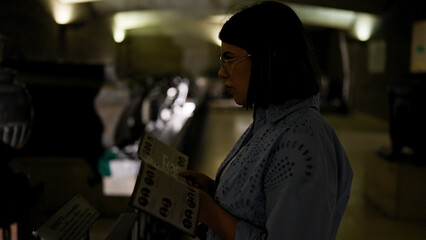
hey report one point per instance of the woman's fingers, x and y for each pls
(196, 179)
(190, 178)
(188, 173)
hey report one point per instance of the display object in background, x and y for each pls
(16, 113)
(159, 191)
(130, 126)
(62, 98)
(16, 118)
(407, 128)
(165, 108)
(406, 106)
(418, 48)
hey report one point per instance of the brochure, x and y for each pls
(70, 222)
(159, 191)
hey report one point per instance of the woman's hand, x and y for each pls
(206, 205)
(217, 218)
(199, 180)
(211, 214)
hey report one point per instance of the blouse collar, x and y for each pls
(272, 113)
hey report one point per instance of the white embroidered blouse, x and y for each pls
(292, 179)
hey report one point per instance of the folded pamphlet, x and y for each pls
(160, 191)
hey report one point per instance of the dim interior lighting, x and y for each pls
(62, 13)
(213, 33)
(77, 1)
(215, 23)
(219, 18)
(364, 26)
(171, 22)
(175, 22)
(67, 11)
(360, 25)
(144, 18)
(323, 16)
(119, 35)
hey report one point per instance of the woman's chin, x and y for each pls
(239, 101)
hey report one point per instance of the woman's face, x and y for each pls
(235, 70)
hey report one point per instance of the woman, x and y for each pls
(287, 177)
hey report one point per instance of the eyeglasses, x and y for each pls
(227, 64)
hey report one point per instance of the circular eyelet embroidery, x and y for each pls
(291, 158)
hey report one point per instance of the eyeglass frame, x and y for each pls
(222, 62)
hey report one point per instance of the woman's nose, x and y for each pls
(222, 73)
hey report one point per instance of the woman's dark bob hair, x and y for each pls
(283, 65)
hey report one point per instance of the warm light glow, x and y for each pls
(139, 19)
(77, 1)
(214, 24)
(62, 13)
(211, 33)
(360, 25)
(219, 18)
(172, 23)
(364, 26)
(324, 17)
(119, 35)
(175, 22)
